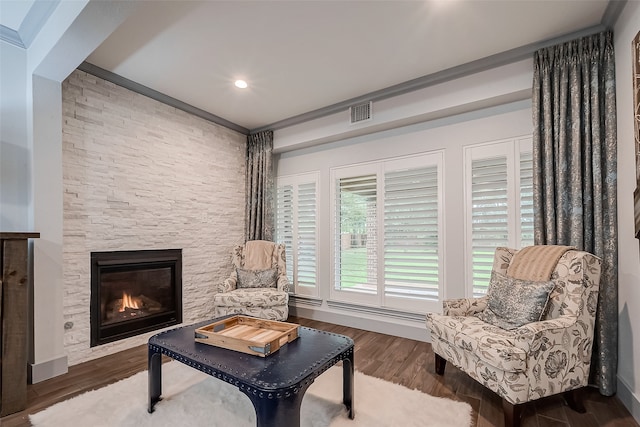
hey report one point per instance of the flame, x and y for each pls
(129, 302)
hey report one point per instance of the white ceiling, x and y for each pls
(299, 56)
(13, 12)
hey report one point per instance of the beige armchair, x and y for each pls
(258, 285)
(529, 361)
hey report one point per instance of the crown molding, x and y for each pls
(609, 18)
(158, 96)
(33, 22)
(38, 15)
(612, 13)
(11, 36)
(473, 67)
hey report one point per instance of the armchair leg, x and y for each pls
(512, 414)
(441, 362)
(574, 400)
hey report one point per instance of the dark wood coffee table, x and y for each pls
(275, 384)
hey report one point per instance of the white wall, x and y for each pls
(625, 30)
(449, 133)
(497, 86)
(15, 150)
(296, 157)
(31, 188)
(30, 170)
(54, 57)
(46, 212)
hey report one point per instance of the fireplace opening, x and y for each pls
(133, 292)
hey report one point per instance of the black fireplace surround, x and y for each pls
(133, 292)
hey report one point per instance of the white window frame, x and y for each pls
(337, 174)
(378, 168)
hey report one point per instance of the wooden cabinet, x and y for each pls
(14, 310)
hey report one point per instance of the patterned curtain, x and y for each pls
(259, 222)
(575, 172)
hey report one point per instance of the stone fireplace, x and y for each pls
(133, 292)
(139, 174)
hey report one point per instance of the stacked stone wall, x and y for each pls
(139, 174)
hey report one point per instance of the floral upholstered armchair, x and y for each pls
(258, 285)
(524, 357)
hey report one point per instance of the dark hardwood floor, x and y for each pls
(400, 360)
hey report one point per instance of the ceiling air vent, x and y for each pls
(361, 112)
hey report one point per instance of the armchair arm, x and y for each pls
(558, 352)
(535, 336)
(229, 284)
(283, 283)
(463, 306)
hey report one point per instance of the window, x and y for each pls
(499, 204)
(357, 262)
(296, 214)
(387, 232)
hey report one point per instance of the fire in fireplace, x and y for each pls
(133, 292)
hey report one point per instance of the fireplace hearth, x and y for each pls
(133, 292)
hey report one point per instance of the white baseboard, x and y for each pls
(629, 399)
(43, 371)
(411, 329)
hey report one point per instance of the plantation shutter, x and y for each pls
(296, 227)
(306, 239)
(285, 224)
(489, 217)
(526, 198)
(411, 258)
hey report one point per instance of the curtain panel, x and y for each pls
(259, 223)
(575, 172)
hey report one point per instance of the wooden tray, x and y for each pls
(248, 334)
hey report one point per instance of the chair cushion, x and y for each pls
(251, 297)
(257, 278)
(495, 346)
(512, 302)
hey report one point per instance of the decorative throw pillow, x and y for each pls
(512, 302)
(257, 278)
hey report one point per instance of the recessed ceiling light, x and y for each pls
(241, 84)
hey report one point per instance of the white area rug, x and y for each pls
(191, 398)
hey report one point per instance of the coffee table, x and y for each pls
(275, 384)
